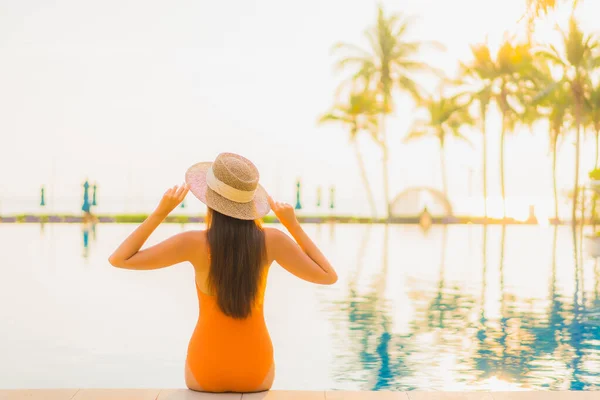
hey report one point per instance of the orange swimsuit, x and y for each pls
(227, 354)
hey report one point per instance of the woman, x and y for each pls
(230, 349)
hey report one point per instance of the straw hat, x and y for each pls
(230, 186)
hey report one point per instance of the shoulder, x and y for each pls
(195, 246)
(193, 239)
(274, 235)
(274, 238)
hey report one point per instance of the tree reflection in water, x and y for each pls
(551, 343)
(378, 358)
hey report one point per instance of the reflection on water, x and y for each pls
(452, 308)
(453, 344)
(86, 229)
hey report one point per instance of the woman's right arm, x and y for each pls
(302, 257)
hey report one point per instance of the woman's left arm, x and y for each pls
(169, 252)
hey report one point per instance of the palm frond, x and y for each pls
(456, 134)
(332, 117)
(373, 40)
(411, 87)
(553, 55)
(329, 117)
(537, 8)
(546, 92)
(418, 66)
(389, 61)
(350, 48)
(415, 135)
(360, 62)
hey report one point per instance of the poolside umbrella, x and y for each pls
(94, 195)
(332, 197)
(298, 204)
(43, 199)
(86, 197)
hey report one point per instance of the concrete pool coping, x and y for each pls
(184, 394)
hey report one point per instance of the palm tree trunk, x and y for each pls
(502, 187)
(577, 155)
(554, 148)
(595, 196)
(386, 189)
(365, 179)
(443, 169)
(483, 130)
(582, 220)
(597, 144)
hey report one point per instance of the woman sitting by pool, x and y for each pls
(230, 349)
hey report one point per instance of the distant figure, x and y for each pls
(532, 219)
(425, 220)
(230, 349)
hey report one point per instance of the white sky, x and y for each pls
(129, 93)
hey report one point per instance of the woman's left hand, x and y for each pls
(171, 199)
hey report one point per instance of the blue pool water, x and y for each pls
(453, 308)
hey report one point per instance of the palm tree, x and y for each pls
(445, 118)
(537, 8)
(577, 60)
(360, 114)
(389, 63)
(592, 115)
(593, 118)
(556, 108)
(506, 79)
(479, 75)
(515, 72)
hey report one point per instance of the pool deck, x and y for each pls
(183, 394)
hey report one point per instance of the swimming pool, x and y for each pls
(411, 310)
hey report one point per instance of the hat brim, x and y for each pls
(195, 177)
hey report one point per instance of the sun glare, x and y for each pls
(497, 385)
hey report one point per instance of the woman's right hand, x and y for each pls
(284, 213)
(302, 257)
(171, 199)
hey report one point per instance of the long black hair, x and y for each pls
(237, 259)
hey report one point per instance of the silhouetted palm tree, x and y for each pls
(389, 63)
(360, 114)
(446, 116)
